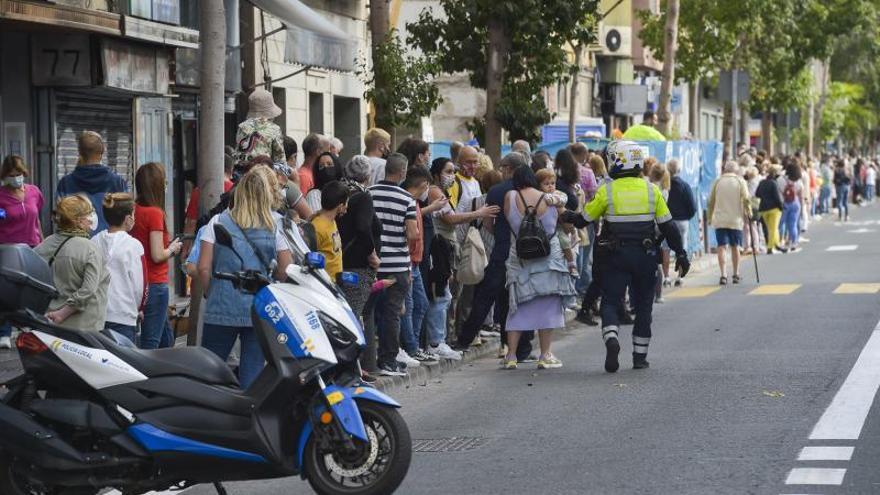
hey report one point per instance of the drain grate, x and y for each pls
(453, 444)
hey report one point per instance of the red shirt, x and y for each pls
(417, 247)
(306, 180)
(151, 219)
(192, 209)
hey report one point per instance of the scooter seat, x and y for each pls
(197, 363)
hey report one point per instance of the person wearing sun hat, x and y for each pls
(259, 135)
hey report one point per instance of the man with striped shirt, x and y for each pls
(396, 210)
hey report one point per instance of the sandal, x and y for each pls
(736, 279)
(509, 364)
(723, 280)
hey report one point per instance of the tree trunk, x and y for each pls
(380, 24)
(212, 65)
(694, 109)
(573, 101)
(498, 43)
(727, 134)
(667, 78)
(823, 98)
(767, 132)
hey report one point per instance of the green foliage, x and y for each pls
(408, 91)
(845, 114)
(774, 40)
(537, 31)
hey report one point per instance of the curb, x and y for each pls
(424, 373)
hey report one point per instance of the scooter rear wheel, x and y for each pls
(377, 468)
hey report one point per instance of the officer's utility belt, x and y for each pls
(613, 243)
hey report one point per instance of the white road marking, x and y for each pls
(861, 231)
(844, 418)
(826, 454)
(843, 247)
(815, 476)
(167, 492)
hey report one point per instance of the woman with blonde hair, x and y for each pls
(151, 229)
(659, 176)
(261, 246)
(78, 267)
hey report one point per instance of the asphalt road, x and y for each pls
(745, 394)
(737, 384)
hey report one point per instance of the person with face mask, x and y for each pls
(78, 268)
(326, 170)
(377, 144)
(126, 264)
(20, 206)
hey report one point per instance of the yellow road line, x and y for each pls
(857, 289)
(775, 290)
(686, 292)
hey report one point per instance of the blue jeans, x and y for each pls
(435, 318)
(127, 331)
(824, 199)
(155, 329)
(416, 304)
(585, 263)
(791, 212)
(843, 201)
(869, 192)
(220, 339)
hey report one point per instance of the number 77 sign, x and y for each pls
(61, 60)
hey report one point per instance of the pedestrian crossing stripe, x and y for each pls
(844, 247)
(775, 290)
(687, 292)
(857, 289)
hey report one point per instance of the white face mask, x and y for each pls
(16, 182)
(93, 221)
(446, 181)
(424, 196)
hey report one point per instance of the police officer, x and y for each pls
(633, 210)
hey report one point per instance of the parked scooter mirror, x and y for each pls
(224, 238)
(315, 260)
(349, 279)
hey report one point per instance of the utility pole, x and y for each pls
(212, 67)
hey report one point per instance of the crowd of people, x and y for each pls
(437, 242)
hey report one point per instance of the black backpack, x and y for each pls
(532, 242)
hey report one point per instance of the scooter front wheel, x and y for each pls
(374, 468)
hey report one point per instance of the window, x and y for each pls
(316, 112)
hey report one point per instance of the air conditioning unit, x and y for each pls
(616, 41)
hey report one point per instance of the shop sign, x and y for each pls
(136, 68)
(61, 60)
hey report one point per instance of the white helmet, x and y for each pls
(625, 158)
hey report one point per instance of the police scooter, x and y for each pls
(90, 412)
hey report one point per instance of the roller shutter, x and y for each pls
(112, 118)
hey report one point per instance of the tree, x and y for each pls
(667, 79)
(399, 86)
(512, 49)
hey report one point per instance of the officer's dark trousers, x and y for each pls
(492, 291)
(629, 266)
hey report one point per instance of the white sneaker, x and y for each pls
(443, 350)
(403, 357)
(5, 343)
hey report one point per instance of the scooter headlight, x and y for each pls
(344, 342)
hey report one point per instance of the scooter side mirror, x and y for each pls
(315, 260)
(224, 238)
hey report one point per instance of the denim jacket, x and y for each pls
(225, 305)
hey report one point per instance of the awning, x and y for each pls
(312, 40)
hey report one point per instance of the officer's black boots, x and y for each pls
(612, 349)
(640, 361)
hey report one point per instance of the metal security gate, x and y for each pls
(111, 118)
